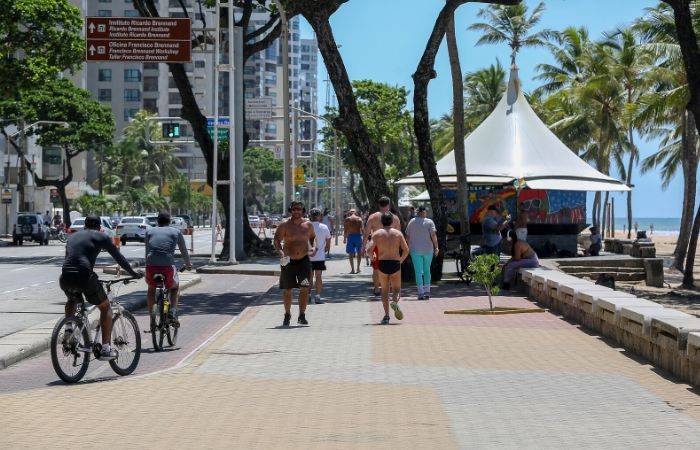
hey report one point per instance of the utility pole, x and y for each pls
(288, 156)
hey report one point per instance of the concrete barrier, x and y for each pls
(586, 313)
(607, 310)
(669, 338)
(693, 352)
(635, 324)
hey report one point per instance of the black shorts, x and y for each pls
(389, 266)
(76, 283)
(296, 274)
(318, 265)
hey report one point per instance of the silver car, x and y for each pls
(133, 228)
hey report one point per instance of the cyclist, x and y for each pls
(160, 258)
(78, 279)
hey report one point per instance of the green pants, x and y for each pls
(421, 267)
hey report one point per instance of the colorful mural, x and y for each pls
(548, 207)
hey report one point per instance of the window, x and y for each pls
(150, 66)
(132, 75)
(174, 98)
(305, 67)
(131, 13)
(305, 57)
(150, 104)
(104, 95)
(130, 113)
(104, 75)
(174, 112)
(132, 95)
(104, 13)
(150, 84)
(249, 70)
(200, 64)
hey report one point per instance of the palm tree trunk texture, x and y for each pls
(688, 280)
(628, 181)
(458, 120)
(689, 164)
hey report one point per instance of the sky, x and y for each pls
(384, 40)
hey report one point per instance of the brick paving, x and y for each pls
(429, 381)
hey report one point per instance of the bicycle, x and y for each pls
(71, 353)
(161, 326)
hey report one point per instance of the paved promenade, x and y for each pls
(431, 381)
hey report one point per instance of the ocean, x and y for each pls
(662, 225)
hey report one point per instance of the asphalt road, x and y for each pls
(205, 309)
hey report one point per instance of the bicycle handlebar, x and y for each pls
(125, 280)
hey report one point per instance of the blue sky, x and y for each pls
(383, 41)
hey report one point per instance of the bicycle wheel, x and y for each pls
(172, 335)
(158, 321)
(70, 354)
(126, 339)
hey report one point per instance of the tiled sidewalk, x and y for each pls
(431, 381)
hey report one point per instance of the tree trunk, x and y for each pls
(689, 164)
(605, 223)
(351, 187)
(628, 181)
(459, 150)
(348, 121)
(596, 210)
(688, 280)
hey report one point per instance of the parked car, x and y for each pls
(187, 219)
(254, 221)
(275, 221)
(106, 226)
(30, 227)
(152, 219)
(76, 225)
(133, 228)
(179, 223)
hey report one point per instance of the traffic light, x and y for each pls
(171, 130)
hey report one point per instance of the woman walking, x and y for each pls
(422, 243)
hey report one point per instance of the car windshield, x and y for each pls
(133, 220)
(78, 222)
(23, 220)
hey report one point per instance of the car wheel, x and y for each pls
(46, 241)
(123, 241)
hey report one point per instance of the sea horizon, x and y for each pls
(662, 225)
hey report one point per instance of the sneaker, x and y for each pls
(287, 319)
(377, 292)
(385, 320)
(108, 355)
(421, 296)
(302, 319)
(426, 296)
(318, 301)
(172, 318)
(397, 311)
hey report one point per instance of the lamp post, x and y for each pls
(288, 174)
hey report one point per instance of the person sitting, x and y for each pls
(596, 243)
(523, 256)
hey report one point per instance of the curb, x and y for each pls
(37, 338)
(237, 270)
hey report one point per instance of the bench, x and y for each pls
(635, 324)
(669, 338)
(607, 310)
(567, 292)
(584, 304)
(693, 352)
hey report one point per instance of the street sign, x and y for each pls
(6, 195)
(223, 132)
(138, 39)
(299, 177)
(259, 108)
(279, 152)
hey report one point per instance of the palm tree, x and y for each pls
(664, 113)
(483, 90)
(510, 24)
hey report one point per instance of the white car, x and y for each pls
(133, 228)
(254, 221)
(179, 223)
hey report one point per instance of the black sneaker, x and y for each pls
(385, 320)
(287, 319)
(174, 321)
(302, 319)
(108, 355)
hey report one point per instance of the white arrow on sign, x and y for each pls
(91, 50)
(91, 27)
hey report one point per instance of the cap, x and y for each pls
(422, 208)
(314, 212)
(92, 221)
(492, 208)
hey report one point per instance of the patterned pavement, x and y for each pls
(344, 382)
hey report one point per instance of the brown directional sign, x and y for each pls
(138, 39)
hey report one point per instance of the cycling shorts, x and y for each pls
(76, 283)
(170, 273)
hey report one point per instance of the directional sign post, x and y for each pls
(223, 127)
(138, 39)
(259, 108)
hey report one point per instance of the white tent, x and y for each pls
(512, 144)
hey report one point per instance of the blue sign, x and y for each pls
(223, 132)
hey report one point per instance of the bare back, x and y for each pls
(522, 250)
(390, 243)
(296, 238)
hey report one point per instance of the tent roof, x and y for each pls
(513, 143)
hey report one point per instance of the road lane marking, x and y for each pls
(21, 268)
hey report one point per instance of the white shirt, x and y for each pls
(322, 234)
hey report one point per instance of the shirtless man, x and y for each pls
(390, 243)
(299, 243)
(352, 238)
(374, 223)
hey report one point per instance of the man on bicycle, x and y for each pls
(78, 279)
(160, 258)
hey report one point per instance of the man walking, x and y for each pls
(352, 238)
(318, 261)
(295, 241)
(392, 252)
(374, 223)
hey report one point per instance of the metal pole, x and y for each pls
(215, 162)
(293, 150)
(231, 141)
(337, 185)
(288, 158)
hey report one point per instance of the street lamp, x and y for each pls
(288, 185)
